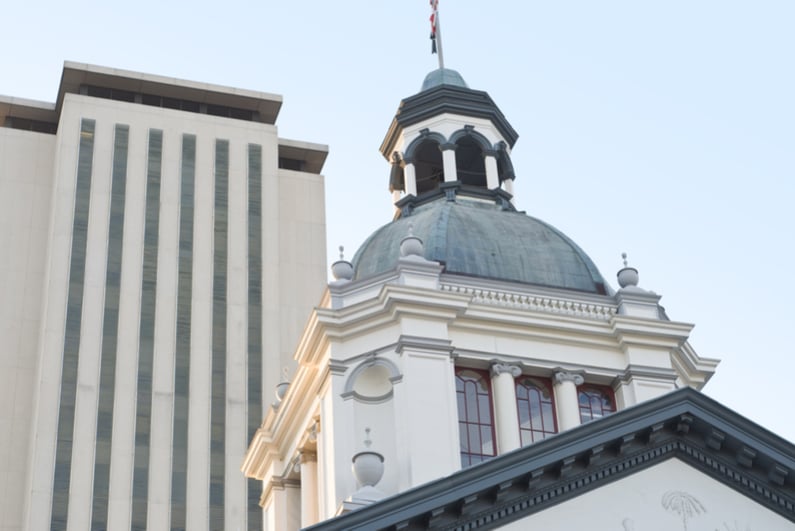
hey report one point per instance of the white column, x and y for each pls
(161, 428)
(506, 414)
(566, 402)
(281, 507)
(448, 162)
(54, 321)
(309, 505)
(85, 419)
(410, 179)
(236, 337)
(507, 185)
(123, 441)
(198, 482)
(492, 175)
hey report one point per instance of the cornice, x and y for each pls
(597, 307)
(443, 99)
(650, 332)
(696, 370)
(683, 424)
(643, 371)
(392, 302)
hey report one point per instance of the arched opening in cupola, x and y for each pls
(469, 161)
(428, 166)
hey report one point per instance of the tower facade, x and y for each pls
(461, 331)
(163, 246)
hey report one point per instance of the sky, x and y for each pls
(665, 130)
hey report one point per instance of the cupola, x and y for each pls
(448, 133)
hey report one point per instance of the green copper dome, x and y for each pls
(482, 239)
(443, 76)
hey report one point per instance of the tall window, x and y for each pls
(475, 420)
(536, 409)
(596, 401)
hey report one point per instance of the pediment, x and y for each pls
(669, 496)
(626, 472)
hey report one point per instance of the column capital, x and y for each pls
(448, 146)
(490, 153)
(307, 456)
(499, 367)
(563, 376)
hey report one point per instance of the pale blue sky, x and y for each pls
(663, 129)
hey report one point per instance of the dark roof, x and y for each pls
(481, 238)
(442, 95)
(684, 424)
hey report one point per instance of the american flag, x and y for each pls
(434, 8)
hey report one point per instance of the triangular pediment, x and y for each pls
(669, 496)
(634, 468)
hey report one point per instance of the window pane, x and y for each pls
(536, 410)
(476, 426)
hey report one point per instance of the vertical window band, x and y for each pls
(218, 406)
(143, 416)
(254, 320)
(179, 465)
(110, 327)
(74, 310)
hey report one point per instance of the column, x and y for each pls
(566, 402)
(448, 162)
(88, 360)
(506, 414)
(409, 178)
(507, 185)
(309, 505)
(492, 175)
(123, 438)
(281, 505)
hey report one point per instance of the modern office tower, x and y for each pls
(161, 249)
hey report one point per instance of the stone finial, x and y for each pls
(342, 269)
(411, 245)
(281, 387)
(368, 466)
(627, 276)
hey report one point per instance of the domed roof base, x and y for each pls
(475, 237)
(443, 76)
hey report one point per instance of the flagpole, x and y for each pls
(439, 41)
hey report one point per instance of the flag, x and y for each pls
(434, 8)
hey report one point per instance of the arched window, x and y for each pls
(428, 167)
(596, 401)
(469, 162)
(536, 409)
(475, 419)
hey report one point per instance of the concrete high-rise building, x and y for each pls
(161, 247)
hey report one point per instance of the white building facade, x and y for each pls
(161, 249)
(462, 331)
